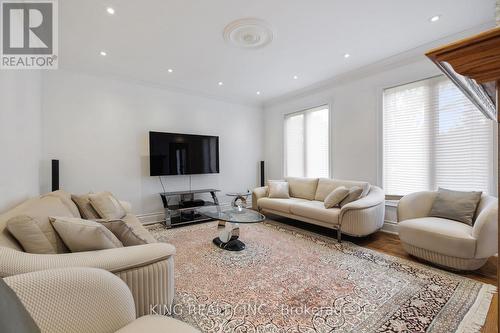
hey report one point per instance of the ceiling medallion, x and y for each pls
(248, 33)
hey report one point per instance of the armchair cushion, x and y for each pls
(456, 205)
(14, 318)
(84, 235)
(439, 235)
(29, 234)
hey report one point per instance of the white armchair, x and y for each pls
(446, 242)
(85, 300)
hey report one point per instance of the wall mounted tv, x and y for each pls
(182, 154)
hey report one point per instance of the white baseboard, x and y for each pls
(390, 227)
(151, 218)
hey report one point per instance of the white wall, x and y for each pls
(355, 106)
(98, 128)
(20, 136)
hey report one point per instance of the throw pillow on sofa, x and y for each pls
(354, 194)
(456, 205)
(28, 232)
(107, 206)
(84, 235)
(336, 196)
(279, 190)
(129, 230)
(84, 206)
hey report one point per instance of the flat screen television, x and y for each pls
(182, 154)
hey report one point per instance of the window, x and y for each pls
(433, 136)
(307, 136)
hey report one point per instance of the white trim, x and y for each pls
(390, 227)
(397, 60)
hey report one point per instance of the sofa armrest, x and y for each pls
(75, 300)
(375, 197)
(258, 193)
(364, 216)
(415, 205)
(14, 262)
(485, 231)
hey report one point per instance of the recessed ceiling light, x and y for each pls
(295, 77)
(103, 53)
(435, 18)
(258, 92)
(110, 10)
(347, 55)
(170, 70)
(220, 83)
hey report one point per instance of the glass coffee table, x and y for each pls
(229, 230)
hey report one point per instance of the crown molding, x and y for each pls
(398, 60)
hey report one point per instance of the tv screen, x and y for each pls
(182, 154)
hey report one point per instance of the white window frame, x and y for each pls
(330, 143)
(380, 137)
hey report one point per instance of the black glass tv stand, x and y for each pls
(183, 211)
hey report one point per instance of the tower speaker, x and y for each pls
(55, 175)
(262, 176)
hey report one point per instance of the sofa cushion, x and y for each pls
(40, 209)
(138, 229)
(107, 206)
(315, 210)
(65, 198)
(303, 188)
(281, 205)
(456, 205)
(279, 190)
(29, 234)
(439, 235)
(82, 201)
(326, 186)
(333, 199)
(84, 235)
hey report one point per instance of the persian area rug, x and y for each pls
(289, 280)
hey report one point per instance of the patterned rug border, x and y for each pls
(477, 308)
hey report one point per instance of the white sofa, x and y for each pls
(147, 269)
(359, 218)
(446, 242)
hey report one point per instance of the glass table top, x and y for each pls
(232, 214)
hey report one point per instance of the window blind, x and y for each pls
(433, 136)
(307, 139)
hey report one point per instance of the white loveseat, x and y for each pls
(446, 242)
(358, 218)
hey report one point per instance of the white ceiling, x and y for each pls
(145, 38)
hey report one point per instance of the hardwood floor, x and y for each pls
(390, 244)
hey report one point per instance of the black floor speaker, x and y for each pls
(55, 175)
(262, 176)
